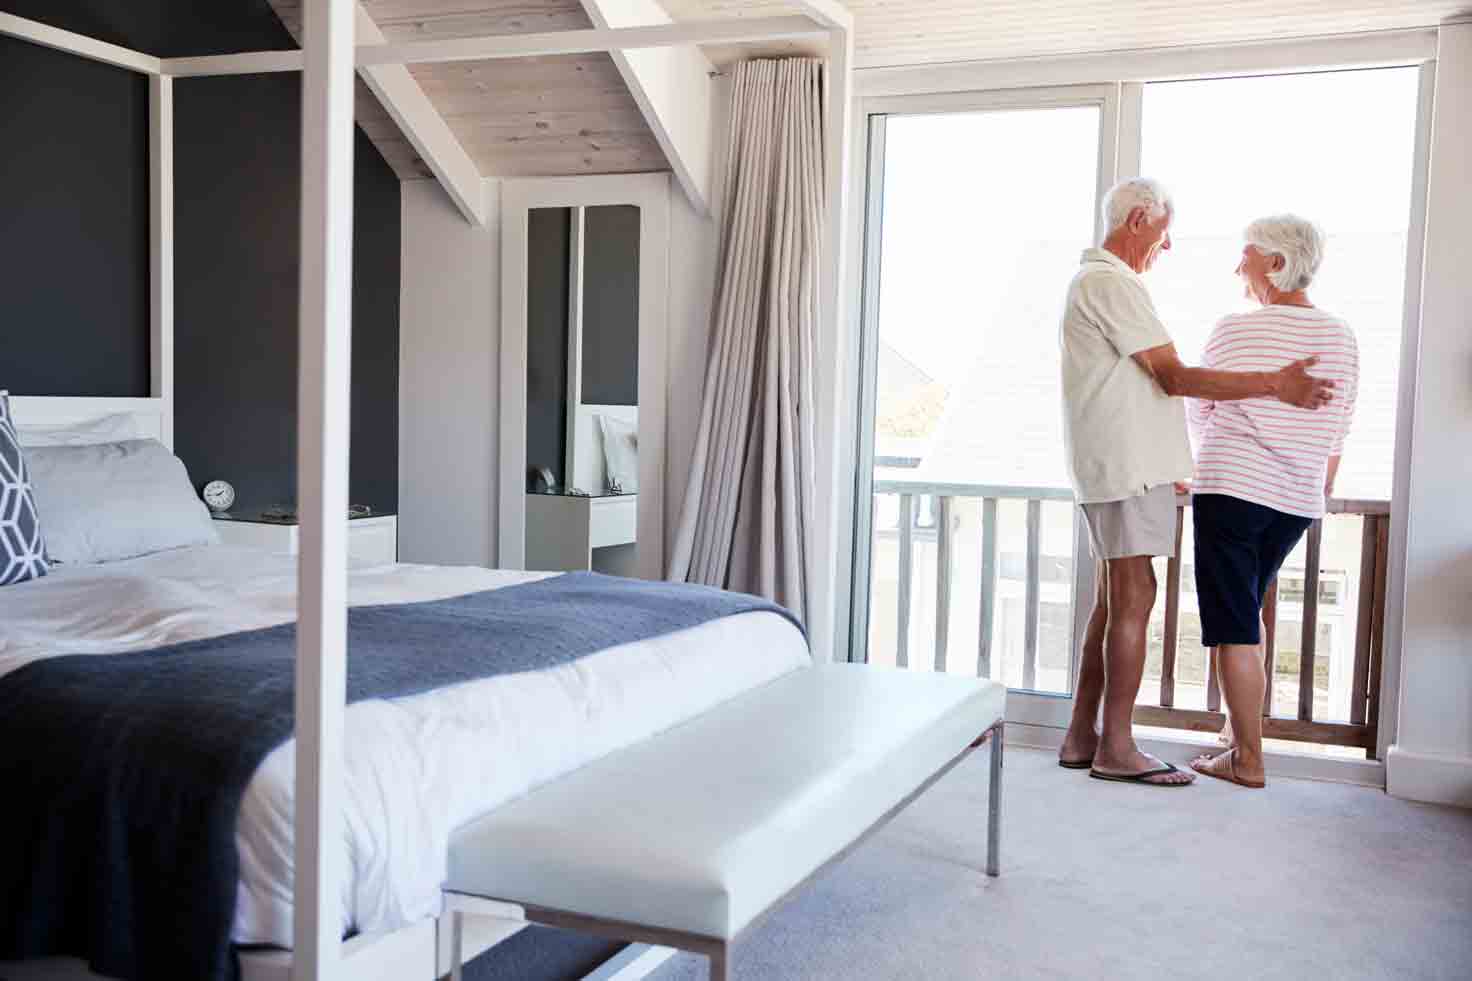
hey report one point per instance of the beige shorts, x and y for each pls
(1143, 525)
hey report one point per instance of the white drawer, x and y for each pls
(371, 541)
(374, 540)
(613, 521)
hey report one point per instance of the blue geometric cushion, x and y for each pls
(22, 549)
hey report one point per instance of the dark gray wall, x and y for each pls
(611, 305)
(74, 242)
(73, 225)
(547, 257)
(164, 28)
(237, 150)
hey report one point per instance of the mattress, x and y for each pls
(416, 767)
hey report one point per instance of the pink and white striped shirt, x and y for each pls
(1262, 450)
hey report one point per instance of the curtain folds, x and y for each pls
(748, 508)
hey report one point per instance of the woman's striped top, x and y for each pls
(1262, 450)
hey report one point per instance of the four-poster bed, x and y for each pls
(318, 795)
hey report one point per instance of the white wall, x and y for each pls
(450, 358)
(694, 247)
(449, 351)
(1432, 755)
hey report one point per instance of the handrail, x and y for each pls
(941, 488)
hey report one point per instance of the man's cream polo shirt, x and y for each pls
(1123, 434)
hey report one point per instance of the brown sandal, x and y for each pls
(1200, 763)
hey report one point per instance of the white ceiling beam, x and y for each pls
(78, 44)
(424, 128)
(672, 87)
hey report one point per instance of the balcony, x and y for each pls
(972, 578)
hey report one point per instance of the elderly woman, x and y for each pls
(1263, 469)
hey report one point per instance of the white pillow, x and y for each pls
(110, 501)
(115, 428)
(620, 453)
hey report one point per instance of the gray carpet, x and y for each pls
(1100, 880)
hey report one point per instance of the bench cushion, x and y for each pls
(704, 826)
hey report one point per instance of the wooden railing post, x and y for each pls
(1310, 637)
(1269, 643)
(907, 552)
(943, 536)
(1031, 601)
(1377, 636)
(988, 585)
(1364, 624)
(1172, 617)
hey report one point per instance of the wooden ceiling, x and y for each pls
(905, 32)
(521, 117)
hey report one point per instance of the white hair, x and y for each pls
(1298, 240)
(1132, 193)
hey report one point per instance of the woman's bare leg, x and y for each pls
(1243, 682)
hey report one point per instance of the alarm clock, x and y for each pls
(219, 495)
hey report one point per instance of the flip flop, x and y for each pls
(1076, 764)
(1142, 777)
(1231, 775)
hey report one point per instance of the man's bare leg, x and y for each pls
(1131, 598)
(1243, 682)
(1083, 733)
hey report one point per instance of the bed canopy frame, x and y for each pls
(328, 61)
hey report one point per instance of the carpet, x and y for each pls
(1100, 880)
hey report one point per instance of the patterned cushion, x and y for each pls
(22, 550)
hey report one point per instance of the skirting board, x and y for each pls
(1428, 777)
(1182, 749)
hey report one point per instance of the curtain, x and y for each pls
(748, 508)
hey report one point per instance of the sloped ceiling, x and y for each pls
(903, 32)
(519, 117)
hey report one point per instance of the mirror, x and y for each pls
(582, 388)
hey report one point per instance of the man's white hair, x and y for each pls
(1298, 240)
(1132, 193)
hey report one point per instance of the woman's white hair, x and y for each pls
(1298, 240)
(1132, 193)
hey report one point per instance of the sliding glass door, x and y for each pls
(969, 555)
(971, 561)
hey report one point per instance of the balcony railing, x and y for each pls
(926, 515)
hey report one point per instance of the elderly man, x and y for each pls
(1125, 433)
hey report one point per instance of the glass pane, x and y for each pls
(985, 214)
(1339, 150)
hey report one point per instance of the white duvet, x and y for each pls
(417, 767)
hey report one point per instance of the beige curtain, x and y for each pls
(748, 508)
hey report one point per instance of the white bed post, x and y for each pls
(322, 474)
(161, 249)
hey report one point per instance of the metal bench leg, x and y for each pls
(457, 945)
(719, 969)
(994, 806)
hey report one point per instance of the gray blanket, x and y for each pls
(123, 774)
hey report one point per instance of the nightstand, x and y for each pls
(372, 539)
(566, 532)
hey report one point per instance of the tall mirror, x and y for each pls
(582, 388)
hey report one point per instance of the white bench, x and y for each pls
(686, 839)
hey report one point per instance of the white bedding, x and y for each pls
(417, 767)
